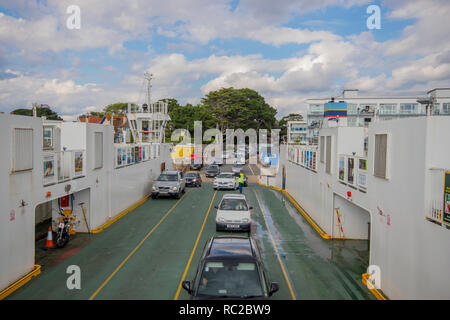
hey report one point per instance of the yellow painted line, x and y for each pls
(16, 285)
(123, 213)
(375, 292)
(307, 217)
(276, 250)
(135, 249)
(195, 247)
(272, 187)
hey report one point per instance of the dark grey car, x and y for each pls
(212, 171)
(231, 268)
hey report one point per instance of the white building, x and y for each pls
(388, 189)
(45, 160)
(297, 131)
(364, 110)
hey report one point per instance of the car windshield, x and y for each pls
(213, 168)
(168, 177)
(230, 279)
(233, 204)
(225, 176)
(191, 175)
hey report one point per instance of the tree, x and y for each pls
(116, 108)
(239, 108)
(40, 111)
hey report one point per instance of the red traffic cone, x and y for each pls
(49, 243)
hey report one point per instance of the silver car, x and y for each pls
(169, 183)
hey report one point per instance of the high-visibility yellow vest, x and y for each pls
(241, 178)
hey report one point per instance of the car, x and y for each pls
(225, 180)
(193, 179)
(169, 183)
(212, 171)
(196, 166)
(231, 267)
(233, 213)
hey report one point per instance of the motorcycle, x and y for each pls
(63, 235)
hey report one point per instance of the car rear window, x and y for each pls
(225, 176)
(233, 204)
(168, 177)
(230, 279)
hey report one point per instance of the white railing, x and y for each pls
(353, 171)
(129, 154)
(436, 200)
(60, 166)
(305, 156)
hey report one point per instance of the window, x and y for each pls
(316, 108)
(48, 138)
(446, 108)
(322, 149)
(352, 108)
(388, 108)
(98, 150)
(328, 156)
(380, 156)
(408, 108)
(23, 150)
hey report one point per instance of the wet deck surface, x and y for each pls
(145, 254)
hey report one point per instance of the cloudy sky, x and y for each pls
(288, 50)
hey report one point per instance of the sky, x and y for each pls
(287, 50)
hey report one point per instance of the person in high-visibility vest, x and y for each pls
(241, 180)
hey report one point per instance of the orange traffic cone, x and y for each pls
(49, 243)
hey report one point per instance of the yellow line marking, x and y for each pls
(120, 215)
(195, 247)
(16, 285)
(307, 217)
(375, 292)
(135, 249)
(276, 250)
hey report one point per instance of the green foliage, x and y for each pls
(239, 108)
(116, 108)
(40, 111)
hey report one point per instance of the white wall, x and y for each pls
(412, 252)
(105, 191)
(17, 233)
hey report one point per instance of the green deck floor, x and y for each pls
(316, 268)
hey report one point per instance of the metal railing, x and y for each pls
(60, 166)
(435, 202)
(305, 156)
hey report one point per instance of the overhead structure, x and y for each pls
(148, 120)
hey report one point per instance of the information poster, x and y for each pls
(447, 198)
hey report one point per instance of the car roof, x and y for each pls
(226, 247)
(227, 173)
(234, 196)
(170, 172)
